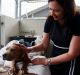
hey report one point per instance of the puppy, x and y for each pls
(16, 53)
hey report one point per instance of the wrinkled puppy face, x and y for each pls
(12, 52)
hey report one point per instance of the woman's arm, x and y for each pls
(41, 46)
(74, 51)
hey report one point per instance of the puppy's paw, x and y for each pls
(12, 72)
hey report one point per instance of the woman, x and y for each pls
(63, 28)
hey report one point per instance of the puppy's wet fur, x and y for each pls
(16, 53)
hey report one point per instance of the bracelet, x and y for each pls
(49, 61)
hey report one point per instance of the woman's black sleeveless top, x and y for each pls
(61, 37)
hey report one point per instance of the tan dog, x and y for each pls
(16, 53)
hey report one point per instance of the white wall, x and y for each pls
(9, 28)
(28, 25)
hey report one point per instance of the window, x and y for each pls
(28, 9)
(8, 8)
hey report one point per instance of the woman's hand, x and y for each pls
(29, 49)
(40, 61)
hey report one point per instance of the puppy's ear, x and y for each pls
(22, 47)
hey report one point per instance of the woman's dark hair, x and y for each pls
(68, 6)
